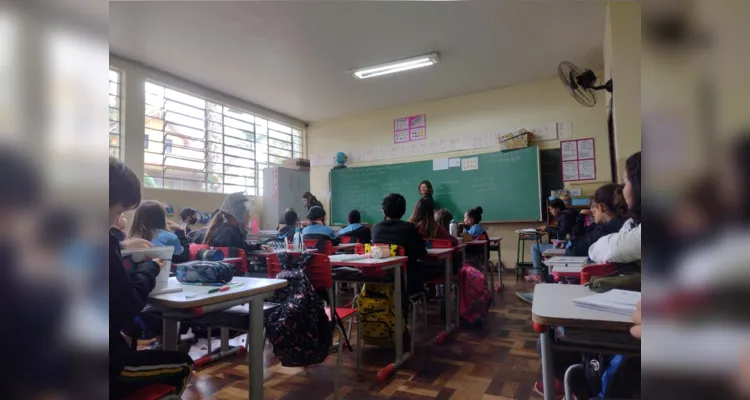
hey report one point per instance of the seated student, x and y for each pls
(625, 245)
(317, 229)
(423, 218)
(198, 235)
(130, 370)
(444, 217)
(120, 228)
(188, 217)
(150, 223)
(282, 221)
(608, 209)
(392, 230)
(226, 227)
(355, 229)
(566, 224)
(286, 232)
(472, 219)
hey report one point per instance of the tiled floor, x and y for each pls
(493, 363)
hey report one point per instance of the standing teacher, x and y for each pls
(425, 191)
(311, 201)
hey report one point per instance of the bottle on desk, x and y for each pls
(298, 243)
(453, 228)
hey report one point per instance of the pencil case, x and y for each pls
(200, 271)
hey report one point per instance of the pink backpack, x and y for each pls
(474, 297)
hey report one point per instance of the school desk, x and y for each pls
(553, 306)
(176, 306)
(446, 255)
(553, 253)
(348, 247)
(386, 264)
(498, 241)
(523, 237)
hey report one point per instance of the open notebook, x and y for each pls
(615, 301)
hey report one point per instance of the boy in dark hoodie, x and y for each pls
(131, 370)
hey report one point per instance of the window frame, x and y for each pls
(120, 101)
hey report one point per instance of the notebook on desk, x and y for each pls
(616, 301)
(346, 257)
(561, 261)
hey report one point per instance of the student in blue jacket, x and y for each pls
(318, 230)
(355, 229)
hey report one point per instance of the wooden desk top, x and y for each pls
(249, 287)
(495, 239)
(553, 252)
(477, 242)
(440, 253)
(370, 262)
(553, 306)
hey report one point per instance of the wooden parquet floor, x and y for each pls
(497, 362)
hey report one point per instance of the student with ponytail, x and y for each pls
(609, 211)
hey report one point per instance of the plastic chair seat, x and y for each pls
(343, 313)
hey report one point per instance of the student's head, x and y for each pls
(220, 219)
(290, 218)
(608, 203)
(444, 217)
(189, 216)
(288, 209)
(124, 189)
(424, 217)
(473, 216)
(393, 206)
(148, 219)
(308, 198)
(632, 189)
(555, 206)
(354, 217)
(697, 208)
(425, 188)
(234, 204)
(316, 214)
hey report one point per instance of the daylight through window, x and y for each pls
(115, 113)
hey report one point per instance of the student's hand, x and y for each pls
(135, 244)
(586, 211)
(159, 262)
(636, 329)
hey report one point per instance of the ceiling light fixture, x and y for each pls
(397, 66)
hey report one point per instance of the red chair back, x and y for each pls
(483, 236)
(596, 270)
(194, 249)
(228, 252)
(440, 243)
(318, 269)
(348, 239)
(313, 243)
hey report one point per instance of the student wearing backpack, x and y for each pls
(286, 231)
(131, 370)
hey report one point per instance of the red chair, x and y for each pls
(156, 391)
(327, 245)
(348, 239)
(318, 271)
(440, 243)
(228, 252)
(596, 270)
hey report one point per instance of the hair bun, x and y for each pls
(479, 209)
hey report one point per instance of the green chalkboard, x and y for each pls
(506, 185)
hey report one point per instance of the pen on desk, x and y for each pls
(221, 289)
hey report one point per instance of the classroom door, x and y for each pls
(550, 161)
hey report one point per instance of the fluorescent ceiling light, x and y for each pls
(397, 66)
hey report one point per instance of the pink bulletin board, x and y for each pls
(408, 129)
(578, 160)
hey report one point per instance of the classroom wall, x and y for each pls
(501, 110)
(134, 79)
(622, 63)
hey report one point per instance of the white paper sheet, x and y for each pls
(570, 170)
(439, 164)
(569, 151)
(564, 130)
(585, 148)
(586, 169)
(469, 164)
(454, 162)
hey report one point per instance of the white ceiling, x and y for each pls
(293, 57)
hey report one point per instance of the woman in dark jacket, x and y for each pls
(311, 201)
(425, 190)
(224, 231)
(609, 210)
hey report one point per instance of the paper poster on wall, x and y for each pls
(544, 132)
(454, 162)
(418, 133)
(439, 164)
(568, 150)
(586, 170)
(578, 160)
(407, 129)
(469, 164)
(585, 149)
(564, 130)
(570, 170)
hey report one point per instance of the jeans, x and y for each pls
(536, 256)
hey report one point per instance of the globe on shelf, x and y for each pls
(340, 159)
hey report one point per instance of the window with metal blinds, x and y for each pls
(196, 144)
(115, 114)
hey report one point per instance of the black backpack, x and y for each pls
(298, 328)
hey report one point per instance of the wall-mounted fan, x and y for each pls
(581, 85)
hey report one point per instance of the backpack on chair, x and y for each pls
(474, 297)
(298, 329)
